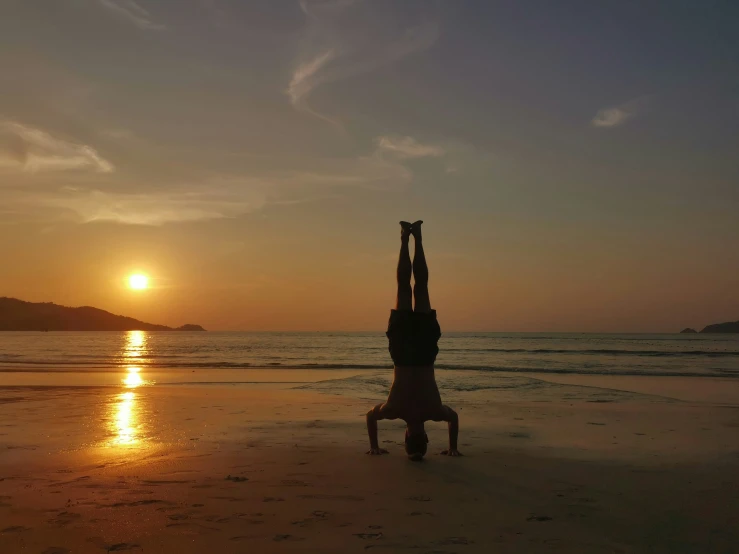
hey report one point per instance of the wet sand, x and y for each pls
(277, 464)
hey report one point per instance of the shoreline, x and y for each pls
(704, 388)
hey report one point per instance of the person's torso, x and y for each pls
(414, 393)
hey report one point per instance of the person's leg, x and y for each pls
(420, 272)
(404, 300)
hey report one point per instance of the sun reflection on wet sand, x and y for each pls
(133, 378)
(125, 420)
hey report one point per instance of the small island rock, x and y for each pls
(190, 327)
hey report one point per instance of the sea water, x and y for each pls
(578, 353)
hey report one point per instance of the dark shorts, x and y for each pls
(413, 337)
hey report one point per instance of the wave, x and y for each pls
(176, 361)
(602, 351)
(616, 337)
(192, 365)
(718, 372)
(72, 368)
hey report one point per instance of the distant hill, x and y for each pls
(688, 330)
(728, 327)
(17, 315)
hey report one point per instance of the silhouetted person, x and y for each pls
(413, 335)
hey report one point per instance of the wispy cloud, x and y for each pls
(618, 115)
(157, 208)
(611, 117)
(217, 198)
(341, 41)
(132, 12)
(306, 77)
(166, 199)
(372, 171)
(407, 147)
(30, 149)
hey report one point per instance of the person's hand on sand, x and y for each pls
(377, 451)
(451, 452)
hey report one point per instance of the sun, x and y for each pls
(138, 281)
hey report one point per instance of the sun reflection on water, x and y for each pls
(135, 346)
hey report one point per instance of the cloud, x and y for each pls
(305, 79)
(372, 171)
(611, 117)
(165, 199)
(223, 197)
(157, 208)
(29, 149)
(407, 147)
(133, 12)
(226, 197)
(617, 115)
(344, 38)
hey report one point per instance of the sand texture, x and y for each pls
(280, 467)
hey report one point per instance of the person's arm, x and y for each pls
(373, 416)
(452, 418)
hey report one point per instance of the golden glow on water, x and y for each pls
(135, 346)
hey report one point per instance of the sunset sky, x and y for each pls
(576, 162)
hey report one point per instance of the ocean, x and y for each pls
(576, 353)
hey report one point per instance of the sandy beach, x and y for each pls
(277, 464)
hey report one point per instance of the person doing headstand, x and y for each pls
(413, 334)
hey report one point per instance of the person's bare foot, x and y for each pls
(405, 230)
(416, 229)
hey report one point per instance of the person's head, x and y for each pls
(416, 441)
